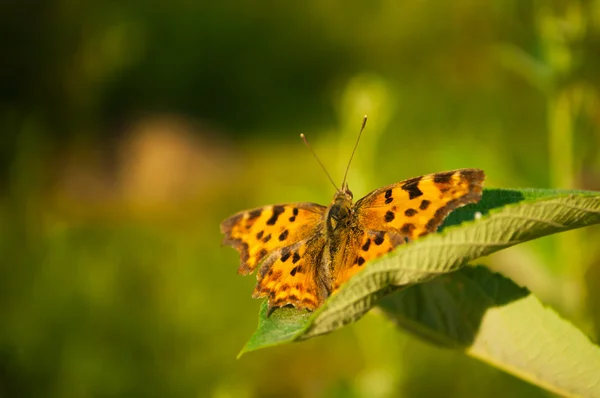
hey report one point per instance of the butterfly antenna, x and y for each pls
(316, 157)
(364, 123)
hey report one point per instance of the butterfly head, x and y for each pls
(340, 209)
(345, 192)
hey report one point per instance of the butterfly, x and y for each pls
(304, 252)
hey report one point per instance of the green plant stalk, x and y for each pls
(569, 248)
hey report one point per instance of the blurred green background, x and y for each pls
(130, 130)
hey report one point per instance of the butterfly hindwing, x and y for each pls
(290, 275)
(258, 232)
(362, 247)
(416, 207)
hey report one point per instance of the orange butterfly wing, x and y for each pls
(401, 212)
(361, 247)
(291, 275)
(288, 240)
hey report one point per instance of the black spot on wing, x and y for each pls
(277, 274)
(410, 212)
(284, 235)
(443, 178)
(389, 216)
(367, 244)
(389, 200)
(285, 255)
(267, 238)
(407, 228)
(412, 187)
(361, 261)
(293, 271)
(277, 210)
(284, 287)
(296, 258)
(379, 238)
(424, 204)
(254, 214)
(260, 235)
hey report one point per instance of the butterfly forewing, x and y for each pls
(258, 232)
(419, 205)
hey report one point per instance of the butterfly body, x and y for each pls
(339, 221)
(307, 251)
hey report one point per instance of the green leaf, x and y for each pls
(503, 324)
(509, 217)
(284, 324)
